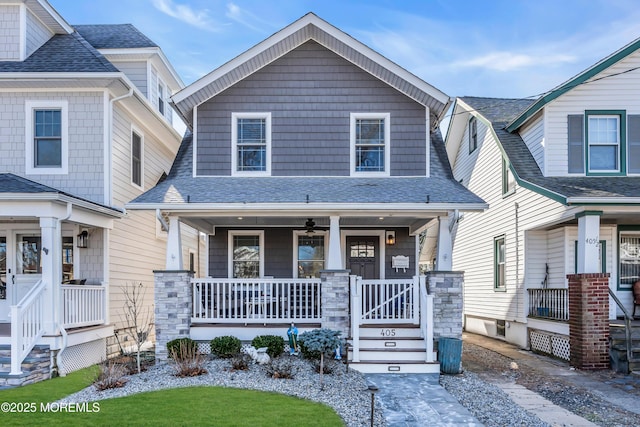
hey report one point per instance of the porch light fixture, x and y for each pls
(310, 226)
(390, 237)
(82, 239)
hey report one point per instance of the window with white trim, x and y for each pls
(251, 143)
(508, 180)
(161, 97)
(137, 150)
(46, 137)
(309, 253)
(246, 254)
(499, 283)
(604, 143)
(473, 134)
(370, 139)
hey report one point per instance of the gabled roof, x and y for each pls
(566, 190)
(309, 27)
(116, 36)
(12, 185)
(573, 82)
(63, 53)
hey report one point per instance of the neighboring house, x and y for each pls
(85, 127)
(561, 175)
(312, 160)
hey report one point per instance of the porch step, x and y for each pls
(390, 331)
(397, 343)
(385, 367)
(618, 349)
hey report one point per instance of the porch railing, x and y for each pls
(256, 300)
(388, 301)
(27, 325)
(550, 304)
(82, 305)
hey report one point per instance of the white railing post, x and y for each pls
(418, 282)
(16, 340)
(356, 314)
(429, 337)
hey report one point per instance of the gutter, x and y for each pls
(603, 200)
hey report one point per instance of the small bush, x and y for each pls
(308, 354)
(226, 346)
(240, 362)
(175, 347)
(111, 375)
(281, 368)
(274, 344)
(188, 361)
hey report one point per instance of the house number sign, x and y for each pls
(388, 332)
(592, 241)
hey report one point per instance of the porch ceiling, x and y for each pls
(208, 223)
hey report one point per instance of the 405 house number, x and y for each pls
(592, 241)
(388, 332)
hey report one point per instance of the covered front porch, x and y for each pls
(53, 270)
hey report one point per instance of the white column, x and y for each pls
(334, 261)
(174, 246)
(443, 256)
(51, 261)
(588, 242)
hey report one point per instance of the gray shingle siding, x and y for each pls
(310, 93)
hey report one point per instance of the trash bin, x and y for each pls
(450, 355)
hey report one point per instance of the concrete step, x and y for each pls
(397, 343)
(390, 331)
(393, 355)
(385, 367)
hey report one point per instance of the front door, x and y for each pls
(363, 258)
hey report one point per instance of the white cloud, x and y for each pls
(199, 19)
(246, 18)
(509, 61)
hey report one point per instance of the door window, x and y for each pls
(29, 254)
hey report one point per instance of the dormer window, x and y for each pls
(370, 136)
(251, 141)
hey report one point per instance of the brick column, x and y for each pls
(589, 320)
(173, 308)
(446, 288)
(335, 300)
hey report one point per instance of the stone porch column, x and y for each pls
(589, 320)
(446, 288)
(173, 308)
(335, 300)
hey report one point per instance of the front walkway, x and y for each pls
(418, 400)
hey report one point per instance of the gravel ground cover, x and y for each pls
(483, 368)
(345, 392)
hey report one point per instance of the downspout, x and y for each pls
(165, 226)
(59, 324)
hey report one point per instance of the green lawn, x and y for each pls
(214, 406)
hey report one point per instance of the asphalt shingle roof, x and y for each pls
(117, 36)
(11, 183)
(181, 187)
(63, 53)
(498, 112)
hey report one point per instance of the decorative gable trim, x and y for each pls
(309, 27)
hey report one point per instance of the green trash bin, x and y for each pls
(450, 355)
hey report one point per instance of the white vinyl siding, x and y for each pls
(137, 72)
(37, 33)
(533, 137)
(619, 92)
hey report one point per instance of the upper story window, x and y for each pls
(161, 97)
(370, 138)
(137, 151)
(473, 134)
(46, 137)
(597, 143)
(508, 180)
(251, 143)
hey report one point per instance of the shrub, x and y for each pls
(111, 375)
(188, 361)
(323, 341)
(274, 344)
(281, 368)
(226, 346)
(240, 362)
(175, 347)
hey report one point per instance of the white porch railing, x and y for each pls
(550, 304)
(388, 301)
(426, 318)
(256, 300)
(82, 305)
(27, 325)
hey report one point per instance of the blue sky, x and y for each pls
(497, 48)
